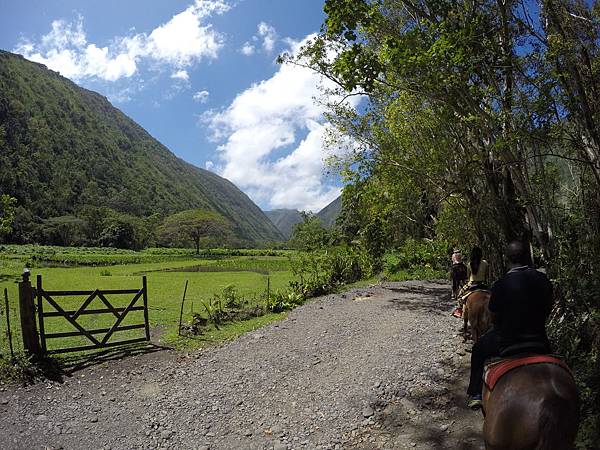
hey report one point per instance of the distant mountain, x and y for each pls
(284, 220)
(63, 147)
(330, 213)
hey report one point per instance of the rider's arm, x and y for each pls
(495, 304)
(546, 293)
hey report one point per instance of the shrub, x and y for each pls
(20, 369)
(419, 257)
(321, 272)
(281, 301)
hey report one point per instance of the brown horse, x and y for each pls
(477, 314)
(534, 407)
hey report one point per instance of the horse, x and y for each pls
(531, 407)
(477, 314)
(458, 274)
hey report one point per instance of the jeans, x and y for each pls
(486, 347)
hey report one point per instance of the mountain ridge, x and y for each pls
(330, 213)
(64, 147)
(286, 219)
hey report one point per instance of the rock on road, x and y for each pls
(374, 368)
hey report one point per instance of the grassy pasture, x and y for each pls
(166, 271)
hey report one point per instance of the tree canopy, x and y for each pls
(481, 125)
(192, 226)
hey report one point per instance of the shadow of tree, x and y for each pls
(422, 298)
(430, 414)
(433, 417)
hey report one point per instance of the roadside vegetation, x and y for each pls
(480, 125)
(230, 291)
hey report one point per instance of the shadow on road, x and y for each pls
(432, 413)
(436, 297)
(59, 368)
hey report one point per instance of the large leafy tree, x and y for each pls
(482, 115)
(310, 234)
(192, 226)
(465, 100)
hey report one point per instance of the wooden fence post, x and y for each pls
(145, 298)
(27, 309)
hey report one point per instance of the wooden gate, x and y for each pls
(48, 298)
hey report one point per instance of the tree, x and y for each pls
(374, 241)
(482, 115)
(310, 234)
(64, 230)
(193, 225)
(7, 213)
(118, 234)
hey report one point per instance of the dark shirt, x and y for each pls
(521, 301)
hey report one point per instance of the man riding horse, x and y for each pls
(520, 304)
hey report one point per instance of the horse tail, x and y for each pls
(555, 416)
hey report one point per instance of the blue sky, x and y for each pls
(200, 76)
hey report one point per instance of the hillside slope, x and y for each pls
(330, 213)
(63, 147)
(285, 220)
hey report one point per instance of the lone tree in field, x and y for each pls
(193, 225)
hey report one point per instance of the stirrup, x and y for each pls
(475, 403)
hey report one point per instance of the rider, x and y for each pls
(520, 304)
(477, 269)
(458, 274)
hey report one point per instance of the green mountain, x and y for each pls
(63, 148)
(285, 220)
(330, 213)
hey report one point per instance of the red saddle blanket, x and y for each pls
(495, 370)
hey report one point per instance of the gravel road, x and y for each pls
(375, 368)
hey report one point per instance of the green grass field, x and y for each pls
(166, 271)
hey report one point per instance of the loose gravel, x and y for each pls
(374, 368)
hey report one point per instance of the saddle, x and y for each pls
(467, 293)
(495, 369)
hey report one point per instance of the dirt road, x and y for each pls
(374, 368)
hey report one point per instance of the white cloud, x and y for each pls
(180, 75)
(180, 42)
(248, 49)
(201, 96)
(265, 33)
(183, 39)
(264, 122)
(269, 35)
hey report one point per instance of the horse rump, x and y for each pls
(557, 413)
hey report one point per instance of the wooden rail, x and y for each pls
(48, 298)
